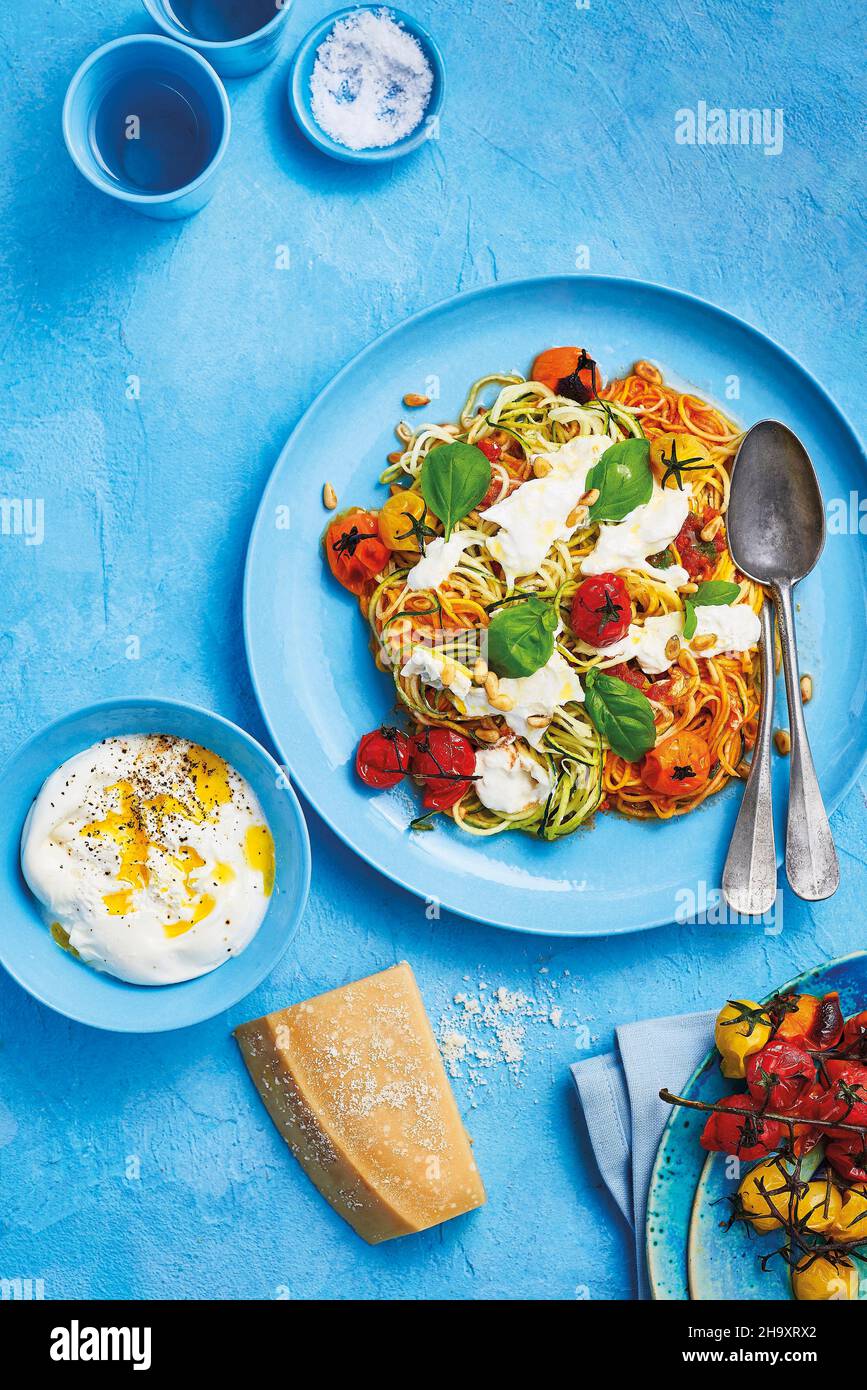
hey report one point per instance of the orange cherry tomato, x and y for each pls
(355, 550)
(678, 766)
(570, 371)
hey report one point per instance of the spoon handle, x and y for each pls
(811, 859)
(750, 873)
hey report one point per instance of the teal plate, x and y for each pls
(688, 1254)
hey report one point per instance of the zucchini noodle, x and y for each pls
(716, 698)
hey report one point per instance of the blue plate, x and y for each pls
(56, 978)
(688, 1254)
(307, 645)
(299, 90)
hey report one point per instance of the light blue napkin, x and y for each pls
(619, 1092)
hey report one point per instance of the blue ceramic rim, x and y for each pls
(531, 281)
(159, 702)
(791, 986)
(104, 185)
(219, 45)
(299, 100)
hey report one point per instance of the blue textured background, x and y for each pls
(558, 132)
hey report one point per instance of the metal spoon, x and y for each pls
(750, 873)
(776, 532)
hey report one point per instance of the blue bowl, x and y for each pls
(76, 990)
(299, 91)
(121, 61)
(231, 57)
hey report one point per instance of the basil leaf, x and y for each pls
(454, 479)
(620, 713)
(713, 593)
(623, 478)
(521, 637)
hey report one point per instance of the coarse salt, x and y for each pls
(371, 81)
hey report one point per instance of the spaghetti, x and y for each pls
(504, 627)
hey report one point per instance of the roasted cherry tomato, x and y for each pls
(780, 1074)
(625, 671)
(356, 553)
(601, 610)
(383, 758)
(445, 762)
(815, 1023)
(678, 766)
(570, 371)
(746, 1134)
(490, 448)
(741, 1029)
(851, 1224)
(675, 457)
(848, 1157)
(699, 558)
(769, 1196)
(405, 522)
(855, 1036)
(845, 1099)
(825, 1279)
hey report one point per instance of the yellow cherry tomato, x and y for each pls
(851, 1223)
(399, 519)
(824, 1280)
(742, 1028)
(676, 458)
(766, 1198)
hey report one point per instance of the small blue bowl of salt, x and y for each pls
(367, 85)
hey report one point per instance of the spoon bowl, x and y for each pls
(775, 521)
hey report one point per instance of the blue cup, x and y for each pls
(236, 36)
(147, 121)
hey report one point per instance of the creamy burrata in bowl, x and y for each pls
(151, 857)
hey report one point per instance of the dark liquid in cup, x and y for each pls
(221, 21)
(152, 134)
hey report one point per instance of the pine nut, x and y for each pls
(395, 457)
(541, 467)
(708, 532)
(687, 662)
(487, 735)
(449, 671)
(329, 497)
(806, 689)
(502, 702)
(538, 721)
(672, 647)
(480, 671)
(412, 400)
(589, 497)
(688, 589)
(492, 685)
(783, 741)
(578, 516)
(648, 372)
(704, 641)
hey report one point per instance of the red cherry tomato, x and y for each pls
(845, 1099)
(490, 448)
(631, 674)
(699, 558)
(355, 550)
(848, 1157)
(445, 762)
(805, 1019)
(677, 766)
(601, 610)
(855, 1036)
(383, 758)
(779, 1075)
(747, 1134)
